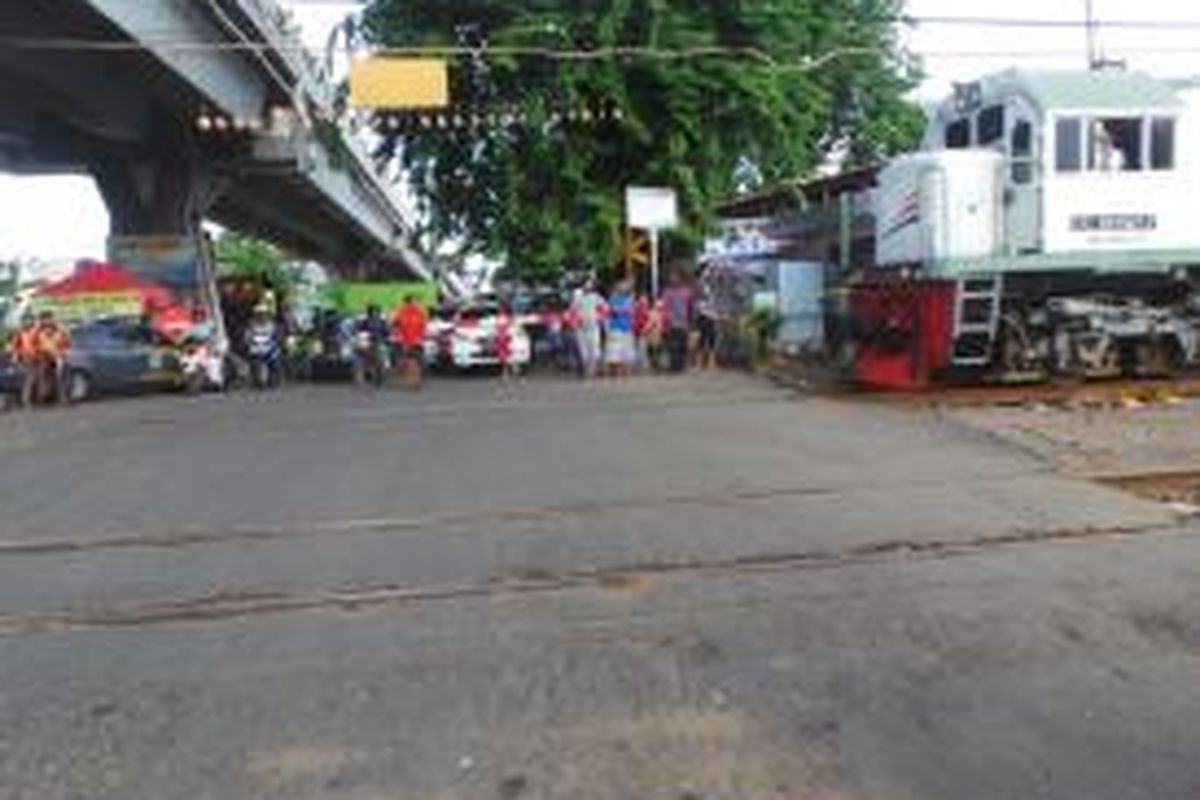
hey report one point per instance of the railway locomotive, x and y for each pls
(1049, 225)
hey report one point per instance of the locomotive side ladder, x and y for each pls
(977, 309)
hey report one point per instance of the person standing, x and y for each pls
(410, 324)
(504, 342)
(620, 344)
(589, 313)
(706, 326)
(569, 359)
(677, 322)
(652, 336)
(641, 320)
(553, 321)
(23, 350)
(52, 344)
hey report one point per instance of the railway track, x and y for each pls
(227, 606)
(1171, 486)
(1060, 392)
(1115, 392)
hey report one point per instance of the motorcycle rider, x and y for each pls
(370, 349)
(262, 346)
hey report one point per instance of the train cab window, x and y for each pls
(958, 135)
(1162, 144)
(1115, 144)
(1021, 152)
(1068, 156)
(989, 125)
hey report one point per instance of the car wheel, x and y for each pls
(79, 386)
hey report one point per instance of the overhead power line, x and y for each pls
(1062, 52)
(599, 54)
(754, 55)
(554, 54)
(1031, 22)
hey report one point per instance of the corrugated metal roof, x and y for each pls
(1096, 90)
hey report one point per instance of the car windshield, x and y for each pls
(106, 332)
(477, 313)
(599, 400)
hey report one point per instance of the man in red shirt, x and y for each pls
(409, 326)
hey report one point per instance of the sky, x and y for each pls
(62, 218)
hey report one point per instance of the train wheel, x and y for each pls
(1017, 356)
(1160, 357)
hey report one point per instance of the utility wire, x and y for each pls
(68, 44)
(1059, 52)
(599, 54)
(1031, 22)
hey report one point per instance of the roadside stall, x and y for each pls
(103, 291)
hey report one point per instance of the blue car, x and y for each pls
(108, 357)
(10, 381)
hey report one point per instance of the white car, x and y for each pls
(471, 341)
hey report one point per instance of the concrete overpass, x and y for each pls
(185, 110)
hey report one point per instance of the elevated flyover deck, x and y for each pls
(193, 109)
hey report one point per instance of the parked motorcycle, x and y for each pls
(203, 370)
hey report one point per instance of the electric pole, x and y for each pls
(1093, 53)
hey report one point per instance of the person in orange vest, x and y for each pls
(22, 347)
(52, 344)
(409, 326)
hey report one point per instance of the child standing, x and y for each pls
(504, 343)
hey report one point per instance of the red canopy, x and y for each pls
(102, 278)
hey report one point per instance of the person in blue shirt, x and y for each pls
(622, 352)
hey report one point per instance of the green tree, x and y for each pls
(242, 256)
(797, 79)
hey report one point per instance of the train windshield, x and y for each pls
(1115, 144)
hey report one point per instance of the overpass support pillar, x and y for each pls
(163, 196)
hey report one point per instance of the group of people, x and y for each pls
(41, 347)
(627, 331)
(615, 334)
(375, 344)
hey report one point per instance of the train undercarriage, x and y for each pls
(910, 333)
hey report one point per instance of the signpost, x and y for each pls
(652, 209)
(637, 251)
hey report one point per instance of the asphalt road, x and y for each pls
(691, 589)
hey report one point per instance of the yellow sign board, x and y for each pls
(92, 305)
(400, 83)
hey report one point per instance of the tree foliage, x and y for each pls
(809, 77)
(241, 256)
